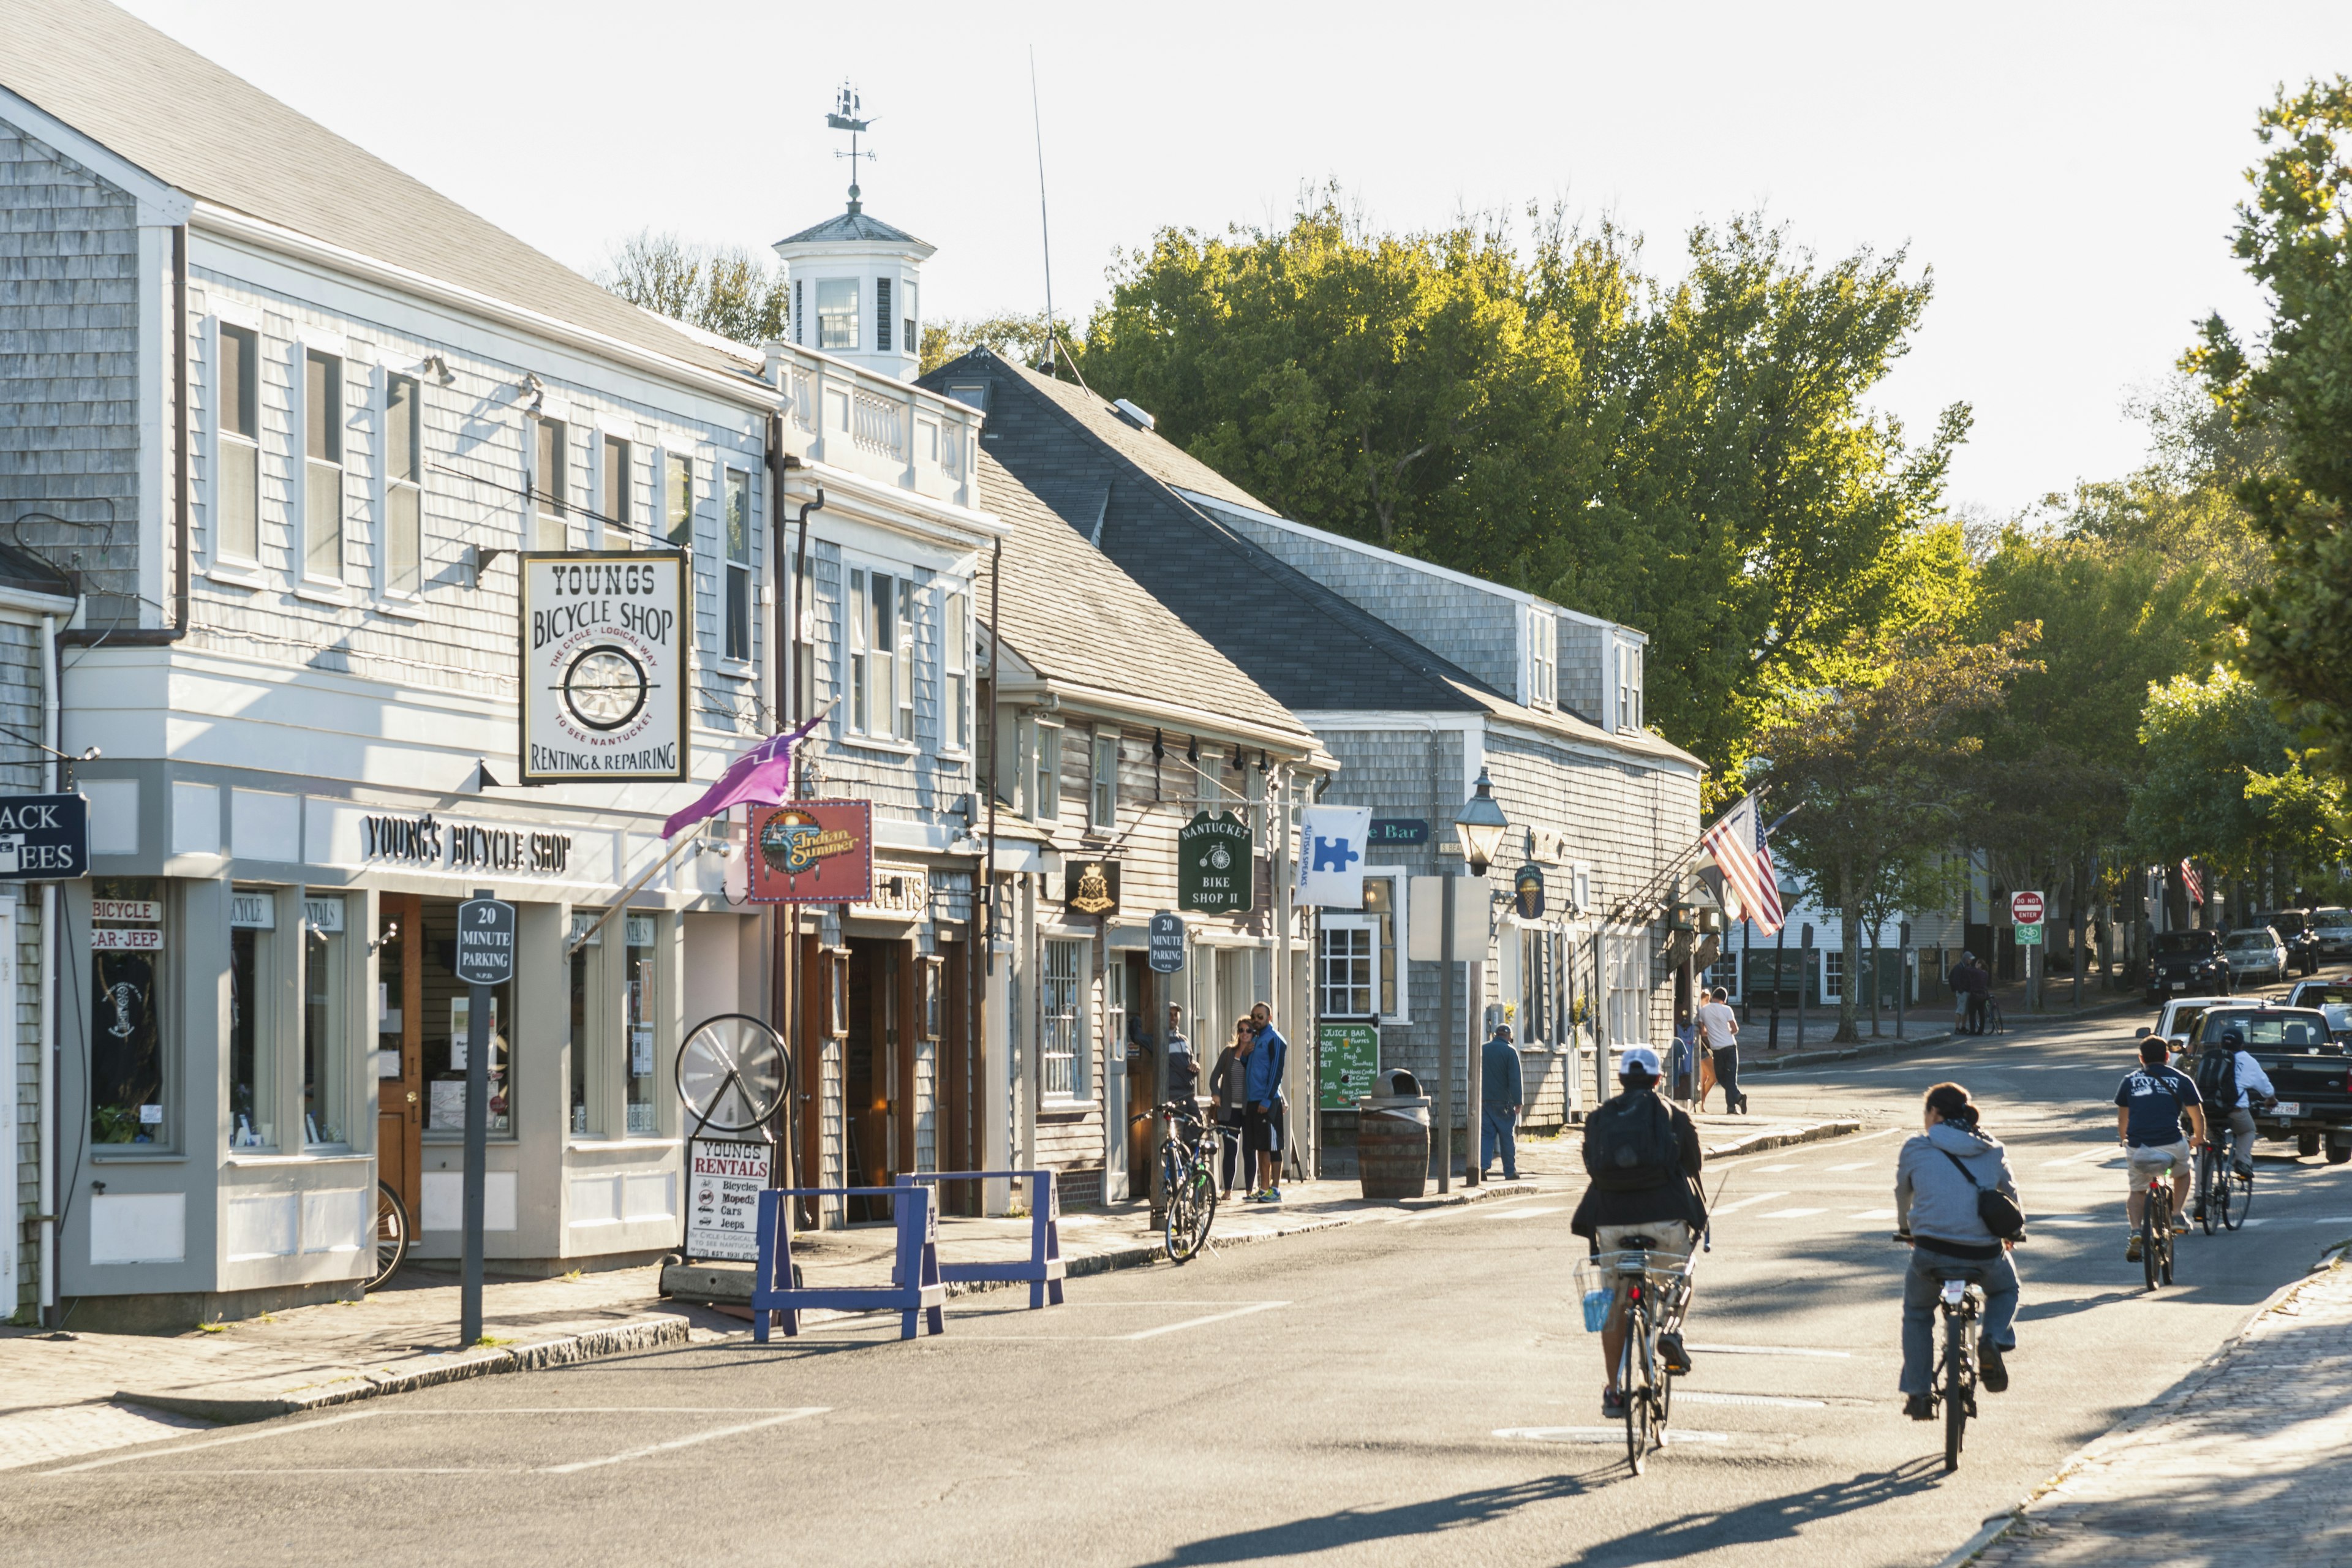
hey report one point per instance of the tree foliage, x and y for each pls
(2226, 784)
(727, 290)
(1011, 334)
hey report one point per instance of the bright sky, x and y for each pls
(2068, 169)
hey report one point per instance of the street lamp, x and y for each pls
(1479, 828)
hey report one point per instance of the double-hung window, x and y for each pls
(1629, 989)
(1629, 686)
(678, 499)
(1543, 660)
(1045, 759)
(737, 526)
(836, 314)
(881, 656)
(322, 466)
(548, 453)
(1061, 998)
(910, 343)
(1102, 799)
(403, 489)
(902, 609)
(1833, 975)
(1536, 1019)
(620, 532)
(236, 495)
(804, 639)
(1349, 967)
(955, 651)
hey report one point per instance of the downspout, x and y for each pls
(152, 636)
(984, 910)
(47, 1137)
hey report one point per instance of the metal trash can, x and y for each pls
(1392, 1145)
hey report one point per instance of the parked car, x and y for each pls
(2333, 997)
(2174, 1025)
(2186, 962)
(2302, 938)
(2307, 1066)
(2255, 954)
(2332, 924)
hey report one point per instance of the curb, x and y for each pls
(638, 1334)
(1135, 1256)
(1758, 1143)
(1919, 1042)
(2336, 1254)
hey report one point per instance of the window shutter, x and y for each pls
(882, 315)
(798, 336)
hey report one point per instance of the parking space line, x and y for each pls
(686, 1442)
(154, 1453)
(1241, 1311)
(1773, 1350)
(1743, 1203)
(1601, 1435)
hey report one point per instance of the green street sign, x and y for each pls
(1347, 1056)
(1215, 864)
(2028, 936)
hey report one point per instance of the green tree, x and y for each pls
(1880, 767)
(728, 291)
(2226, 784)
(1011, 334)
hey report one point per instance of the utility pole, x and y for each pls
(1445, 1039)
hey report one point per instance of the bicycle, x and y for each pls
(2223, 1195)
(1188, 1177)
(1960, 1304)
(1656, 1301)
(2155, 1231)
(391, 1235)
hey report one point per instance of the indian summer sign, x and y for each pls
(813, 852)
(1215, 864)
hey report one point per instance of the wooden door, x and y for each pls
(400, 1110)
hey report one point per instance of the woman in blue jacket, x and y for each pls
(1937, 1179)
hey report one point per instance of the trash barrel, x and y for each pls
(1392, 1145)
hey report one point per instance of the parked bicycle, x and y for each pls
(2155, 1231)
(391, 1234)
(1655, 1300)
(2223, 1195)
(1189, 1148)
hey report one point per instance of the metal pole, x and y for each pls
(1445, 1041)
(1902, 974)
(1780, 978)
(478, 1148)
(1804, 973)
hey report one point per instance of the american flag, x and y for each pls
(2193, 882)
(1736, 842)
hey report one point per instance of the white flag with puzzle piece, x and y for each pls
(1332, 841)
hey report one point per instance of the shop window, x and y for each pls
(1381, 912)
(1063, 1052)
(587, 1013)
(1351, 967)
(1629, 990)
(1724, 973)
(252, 1035)
(448, 1005)
(128, 1075)
(326, 1034)
(640, 1002)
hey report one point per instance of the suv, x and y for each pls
(2187, 962)
(2308, 1070)
(2256, 953)
(2332, 925)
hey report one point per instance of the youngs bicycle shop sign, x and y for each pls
(603, 665)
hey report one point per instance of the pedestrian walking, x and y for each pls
(1499, 1088)
(1225, 1084)
(1721, 1026)
(1264, 1059)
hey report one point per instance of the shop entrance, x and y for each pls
(421, 1013)
(878, 1070)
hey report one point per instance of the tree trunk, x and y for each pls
(1849, 934)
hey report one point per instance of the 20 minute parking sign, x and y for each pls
(44, 838)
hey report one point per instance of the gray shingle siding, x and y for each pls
(20, 770)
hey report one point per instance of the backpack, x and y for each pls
(2217, 1078)
(1999, 1212)
(1630, 1145)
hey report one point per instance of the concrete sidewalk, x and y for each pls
(2247, 1459)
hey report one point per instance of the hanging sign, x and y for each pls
(44, 838)
(813, 852)
(1527, 892)
(1167, 949)
(1348, 1058)
(1090, 887)
(603, 665)
(1331, 856)
(1215, 863)
(724, 1181)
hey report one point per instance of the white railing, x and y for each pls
(874, 426)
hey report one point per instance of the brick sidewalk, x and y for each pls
(2247, 1460)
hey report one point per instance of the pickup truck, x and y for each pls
(2308, 1068)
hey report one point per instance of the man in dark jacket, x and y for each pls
(1643, 1156)
(1972, 983)
(1499, 1088)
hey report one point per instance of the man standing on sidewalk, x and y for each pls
(1972, 983)
(1720, 1024)
(1499, 1088)
(1268, 1053)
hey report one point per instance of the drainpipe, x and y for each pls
(152, 636)
(47, 1137)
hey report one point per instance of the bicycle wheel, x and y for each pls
(2165, 1272)
(1204, 1205)
(1177, 1191)
(1956, 1389)
(1634, 1388)
(391, 1235)
(2239, 1196)
(2154, 1232)
(2209, 1192)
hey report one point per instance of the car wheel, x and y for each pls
(2306, 1143)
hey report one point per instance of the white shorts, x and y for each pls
(2154, 1159)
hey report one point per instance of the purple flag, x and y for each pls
(763, 774)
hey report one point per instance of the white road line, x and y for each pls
(1601, 1435)
(154, 1453)
(1772, 1350)
(1766, 1170)
(1693, 1396)
(1743, 1203)
(1529, 1214)
(1212, 1317)
(1854, 1165)
(1792, 1214)
(686, 1442)
(1873, 1213)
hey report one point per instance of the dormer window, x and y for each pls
(1543, 660)
(1629, 686)
(836, 314)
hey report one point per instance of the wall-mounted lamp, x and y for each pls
(533, 392)
(438, 369)
(390, 933)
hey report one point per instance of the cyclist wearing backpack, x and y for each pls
(1957, 1203)
(1643, 1157)
(2228, 1081)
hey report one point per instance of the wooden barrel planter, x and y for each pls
(1392, 1145)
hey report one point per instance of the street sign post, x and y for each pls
(1167, 941)
(2025, 909)
(486, 946)
(2029, 935)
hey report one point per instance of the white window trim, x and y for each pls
(719, 658)
(1096, 821)
(1543, 660)
(392, 602)
(1333, 921)
(1044, 734)
(319, 590)
(240, 571)
(1081, 1090)
(1400, 879)
(962, 664)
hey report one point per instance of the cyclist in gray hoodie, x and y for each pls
(1936, 1211)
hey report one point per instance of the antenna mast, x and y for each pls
(848, 115)
(1045, 228)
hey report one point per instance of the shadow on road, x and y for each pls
(1354, 1526)
(1767, 1519)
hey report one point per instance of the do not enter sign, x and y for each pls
(2025, 909)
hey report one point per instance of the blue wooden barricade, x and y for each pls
(915, 1288)
(1044, 1269)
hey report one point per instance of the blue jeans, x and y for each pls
(1920, 1290)
(1495, 1127)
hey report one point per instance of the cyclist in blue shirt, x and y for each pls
(2149, 1105)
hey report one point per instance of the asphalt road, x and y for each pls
(1403, 1392)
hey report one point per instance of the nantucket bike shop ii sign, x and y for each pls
(603, 665)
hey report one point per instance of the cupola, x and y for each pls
(855, 283)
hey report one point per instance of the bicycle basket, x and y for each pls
(1595, 1285)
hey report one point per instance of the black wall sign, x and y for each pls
(1398, 830)
(1215, 863)
(486, 942)
(1527, 892)
(44, 838)
(1167, 949)
(1090, 887)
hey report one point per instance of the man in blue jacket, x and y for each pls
(1262, 1061)
(1499, 1088)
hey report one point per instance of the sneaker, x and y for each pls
(1991, 1371)
(2131, 1249)
(2246, 1173)
(2179, 1225)
(1669, 1351)
(1271, 1196)
(1919, 1407)
(1612, 1405)
(2196, 1211)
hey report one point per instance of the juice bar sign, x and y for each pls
(462, 846)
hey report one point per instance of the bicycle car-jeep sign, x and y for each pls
(603, 665)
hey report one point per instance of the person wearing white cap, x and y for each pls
(1643, 1157)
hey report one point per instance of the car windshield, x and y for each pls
(2184, 1021)
(2331, 916)
(2272, 1028)
(2251, 942)
(2172, 943)
(2309, 994)
(2288, 923)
